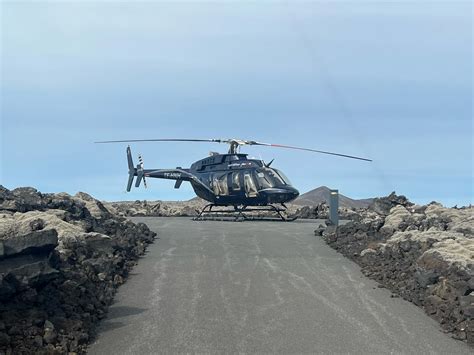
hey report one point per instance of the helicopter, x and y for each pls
(232, 179)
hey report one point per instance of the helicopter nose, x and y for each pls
(294, 193)
(279, 195)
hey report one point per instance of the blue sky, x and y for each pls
(391, 81)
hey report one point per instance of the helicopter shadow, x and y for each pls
(117, 317)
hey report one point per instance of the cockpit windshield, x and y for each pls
(268, 178)
(283, 177)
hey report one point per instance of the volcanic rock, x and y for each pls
(383, 205)
(425, 254)
(61, 259)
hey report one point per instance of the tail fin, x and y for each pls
(131, 169)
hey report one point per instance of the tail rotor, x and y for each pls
(140, 172)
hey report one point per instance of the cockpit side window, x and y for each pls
(283, 177)
(277, 178)
(268, 178)
(263, 181)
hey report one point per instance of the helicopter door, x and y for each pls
(215, 185)
(249, 184)
(219, 185)
(234, 182)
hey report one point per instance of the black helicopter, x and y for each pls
(230, 179)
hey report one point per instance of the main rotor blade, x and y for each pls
(163, 140)
(234, 141)
(307, 149)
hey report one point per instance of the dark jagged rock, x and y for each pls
(39, 241)
(21, 199)
(321, 211)
(424, 254)
(61, 259)
(310, 212)
(383, 205)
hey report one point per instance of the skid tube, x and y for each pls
(238, 214)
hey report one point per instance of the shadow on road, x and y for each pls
(123, 311)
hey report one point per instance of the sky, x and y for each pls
(390, 81)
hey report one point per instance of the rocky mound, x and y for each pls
(321, 211)
(157, 208)
(61, 259)
(189, 209)
(425, 254)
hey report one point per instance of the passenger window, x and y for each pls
(219, 184)
(223, 188)
(215, 186)
(235, 181)
(250, 188)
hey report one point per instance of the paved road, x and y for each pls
(222, 287)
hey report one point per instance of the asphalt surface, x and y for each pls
(258, 287)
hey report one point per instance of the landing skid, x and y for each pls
(243, 213)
